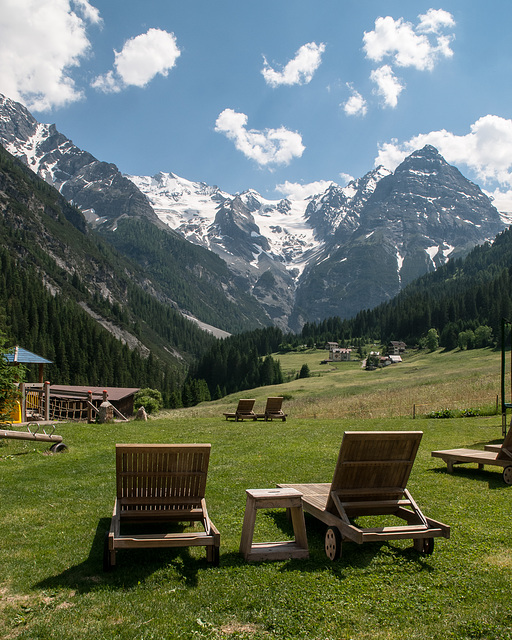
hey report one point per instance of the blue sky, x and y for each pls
(282, 96)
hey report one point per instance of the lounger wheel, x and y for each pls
(58, 447)
(332, 543)
(507, 474)
(424, 546)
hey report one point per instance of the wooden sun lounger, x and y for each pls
(244, 411)
(161, 483)
(494, 455)
(273, 410)
(370, 478)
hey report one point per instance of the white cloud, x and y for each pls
(388, 85)
(356, 104)
(40, 44)
(270, 146)
(298, 191)
(300, 70)
(485, 150)
(346, 178)
(140, 60)
(409, 46)
(435, 20)
(502, 200)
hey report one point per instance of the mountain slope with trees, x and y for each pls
(66, 294)
(458, 297)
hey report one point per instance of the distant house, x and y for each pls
(329, 346)
(339, 355)
(395, 359)
(396, 347)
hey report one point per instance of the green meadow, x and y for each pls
(56, 508)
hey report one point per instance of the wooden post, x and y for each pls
(47, 401)
(89, 407)
(23, 402)
(106, 412)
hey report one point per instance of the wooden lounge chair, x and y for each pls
(160, 483)
(243, 411)
(370, 479)
(273, 410)
(495, 455)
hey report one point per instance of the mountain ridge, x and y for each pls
(285, 262)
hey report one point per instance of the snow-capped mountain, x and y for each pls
(335, 253)
(206, 215)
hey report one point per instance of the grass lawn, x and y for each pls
(55, 509)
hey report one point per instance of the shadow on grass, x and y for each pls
(353, 555)
(132, 568)
(493, 478)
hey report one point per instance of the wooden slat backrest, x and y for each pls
(161, 476)
(274, 404)
(374, 465)
(505, 453)
(245, 406)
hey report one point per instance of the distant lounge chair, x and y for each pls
(370, 478)
(273, 410)
(244, 411)
(160, 483)
(494, 455)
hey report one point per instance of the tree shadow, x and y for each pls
(133, 566)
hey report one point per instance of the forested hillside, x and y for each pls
(56, 276)
(463, 301)
(460, 296)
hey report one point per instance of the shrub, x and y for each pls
(150, 399)
(304, 371)
(469, 413)
(442, 413)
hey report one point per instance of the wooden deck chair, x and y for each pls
(370, 479)
(160, 483)
(273, 410)
(495, 455)
(243, 411)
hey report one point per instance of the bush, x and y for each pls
(150, 399)
(469, 413)
(442, 413)
(304, 371)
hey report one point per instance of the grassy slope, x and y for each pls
(54, 511)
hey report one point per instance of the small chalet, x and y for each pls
(339, 355)
(396, 347)
(329, 346)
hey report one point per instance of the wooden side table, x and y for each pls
(287, 498)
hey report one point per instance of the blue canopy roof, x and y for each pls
(23, 356)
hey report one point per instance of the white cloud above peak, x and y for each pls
(267, 147)
(486, 150)
(435, 20)
(299, 70)
(388, 86)
(356, 105)
(407, 45)
(300, 191)
(40, 43)
(140, 60)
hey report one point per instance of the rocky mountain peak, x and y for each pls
(333, 253)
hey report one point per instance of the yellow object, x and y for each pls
(16, 413)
